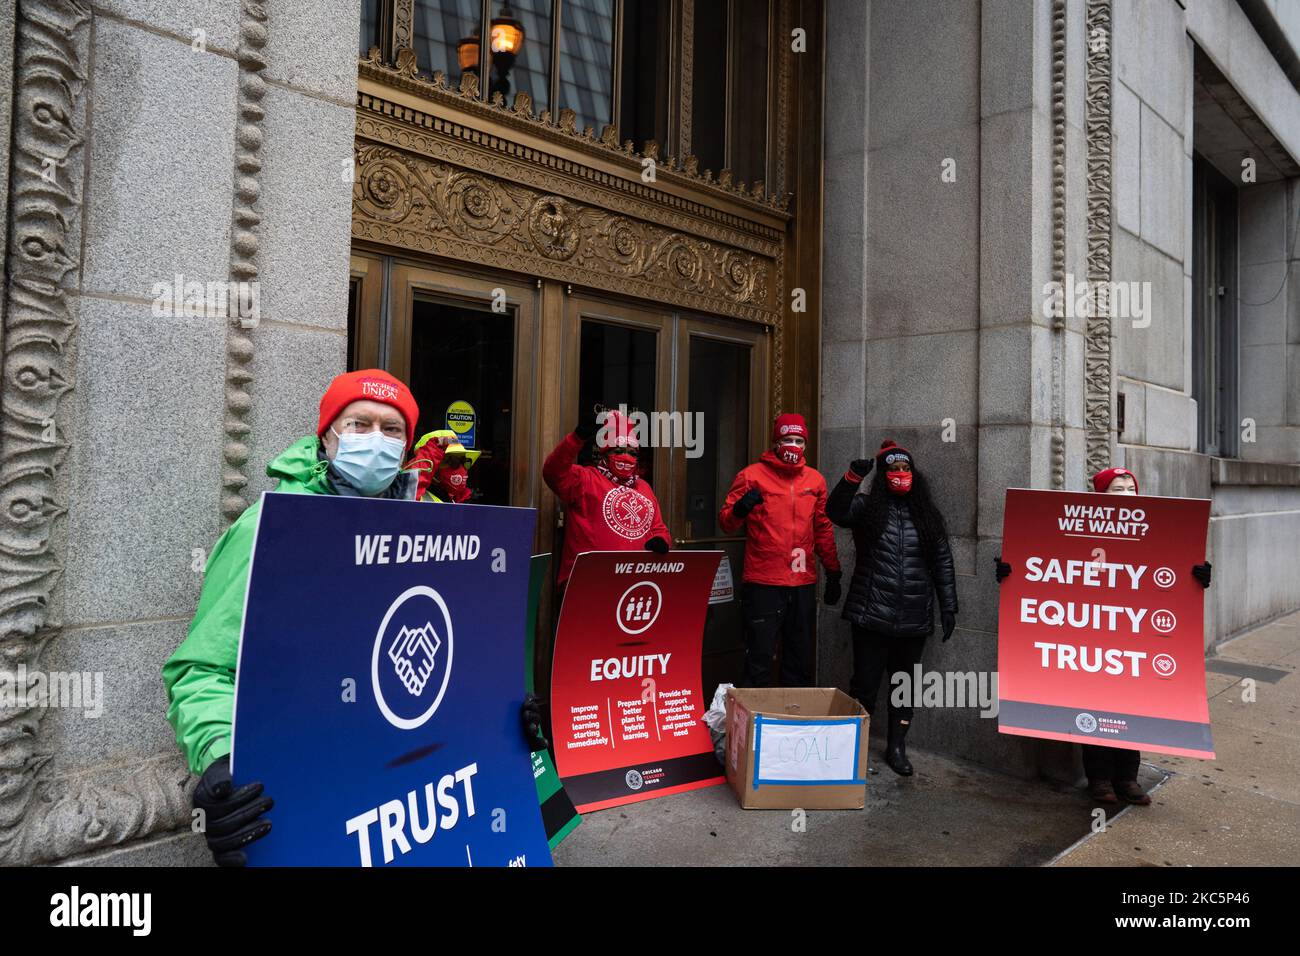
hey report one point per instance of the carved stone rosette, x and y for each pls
(244, 248)
(1098, 378)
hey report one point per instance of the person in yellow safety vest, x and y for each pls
(443, 465)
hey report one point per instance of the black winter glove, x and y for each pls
(231, 816)
(531, 715)
(747, 503)
(832, 596)
(586, 427)
(1003, 569)
(862, 466)
(657, 545)
(949, 622)
(1202, 573)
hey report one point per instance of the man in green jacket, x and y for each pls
(366, 424)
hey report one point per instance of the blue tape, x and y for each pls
(760, 720)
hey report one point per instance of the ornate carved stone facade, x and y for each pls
(1058, 239)
(430, 184)
(244, 248)
(39, 325)
(1098, 374)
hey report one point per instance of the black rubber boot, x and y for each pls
(895, 749)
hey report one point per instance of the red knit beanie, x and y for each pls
(791, 423)
(1102, 479)
(891, 451)
(617, 431)
(370, 385)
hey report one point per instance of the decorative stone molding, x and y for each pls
(432, 206)
(1098, 373)
(403, 23)
(43, 819)
(40, 321)
(686, 76)
(102, 808)
(435, 186)
(1059, 226)
(245, 245)
(519, 117)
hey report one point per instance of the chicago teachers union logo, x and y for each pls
(628, 512)
(411, 660)
(1086, 722)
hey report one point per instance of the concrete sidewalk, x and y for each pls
(1243, 808)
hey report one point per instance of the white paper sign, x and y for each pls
(723, 588)
(791, 751)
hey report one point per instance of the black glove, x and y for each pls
(1202, 573)
(1003, 569)
(862, 466)
(531, 715)
(586, 427)
(832, 595)
(231, 816)
(949, 622)
(748, 501)
(657, 545)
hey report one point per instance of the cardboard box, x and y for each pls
(791, 747)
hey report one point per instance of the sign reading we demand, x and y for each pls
(626, 701)
(1100, 623)
(380, 677)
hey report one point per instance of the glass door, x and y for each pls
(721, 391)
(464, 345)
(618, 355)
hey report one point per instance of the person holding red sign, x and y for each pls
(1112, 771)
(608, 505)
(904, 561)
(781, 503)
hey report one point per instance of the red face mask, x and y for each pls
(455, 483)
(790, 454)
(622, 464)
(900, 482)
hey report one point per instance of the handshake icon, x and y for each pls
(412, 653)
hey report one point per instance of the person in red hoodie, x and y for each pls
(608, 505)
(781, 503)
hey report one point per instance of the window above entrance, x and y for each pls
(688, 83)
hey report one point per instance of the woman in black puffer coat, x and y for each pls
(903, 561)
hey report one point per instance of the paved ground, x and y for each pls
(1243, 808)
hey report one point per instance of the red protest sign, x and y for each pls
(626, 703)
(1100, 625)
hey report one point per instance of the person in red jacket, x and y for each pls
(781, 503)
(1113, 771)
(608, 505)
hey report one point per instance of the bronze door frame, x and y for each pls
(428, 282)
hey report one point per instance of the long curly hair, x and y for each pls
(926, 517)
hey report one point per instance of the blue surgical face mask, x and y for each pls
(369, 461)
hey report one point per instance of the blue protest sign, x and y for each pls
(380, 676)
